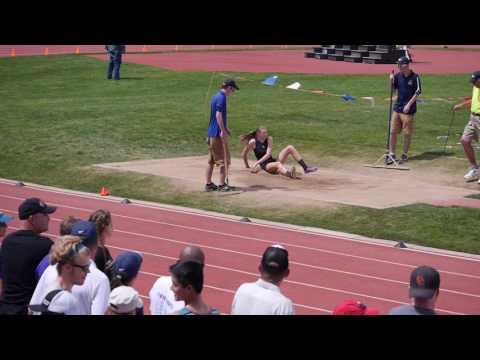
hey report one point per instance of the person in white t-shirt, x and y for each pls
(263, 297)
(162, 298)
(71, 260)
(93, 295)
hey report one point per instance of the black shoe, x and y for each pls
(404, 158)
(225, 188)
(390, 159)
(211, 187)
(310, 169)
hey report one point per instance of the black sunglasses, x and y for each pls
(85, 268)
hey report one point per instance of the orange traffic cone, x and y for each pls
(144, 49)
(104, 192)
(13, 53)
(45, 52)
(77, 50)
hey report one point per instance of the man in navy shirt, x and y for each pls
(218, 134)
(407, 84)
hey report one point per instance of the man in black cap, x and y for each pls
(218, 134)
(407, 83)
(263, 297)
(472, 129)
(20, 254)
(424, 289)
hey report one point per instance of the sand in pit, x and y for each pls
(360, 186)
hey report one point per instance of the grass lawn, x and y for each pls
(59, 116)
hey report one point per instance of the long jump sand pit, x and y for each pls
(355, 185)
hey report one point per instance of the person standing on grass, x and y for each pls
(424, 290)
(124, 272)
(65, 229)
(20, 254)
(4, 220)
(407, 83)
(162, 298)
(72, 261)
(103, 220)
(472, 129)
(263, 297)
(218, 135)
(93, 295)
(187, 285)
(115, 53)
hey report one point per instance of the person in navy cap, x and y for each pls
(424, 290)
(20, 253)
(218, 134)
(124, 272)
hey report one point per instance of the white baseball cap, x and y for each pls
(124, 300)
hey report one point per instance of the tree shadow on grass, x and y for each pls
(431, 155)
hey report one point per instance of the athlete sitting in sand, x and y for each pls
(262, 145)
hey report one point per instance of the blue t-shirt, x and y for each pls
(407, 87)
(219, 103)
(42, 266)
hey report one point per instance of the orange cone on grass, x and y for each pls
(13, 53)
(104, 192)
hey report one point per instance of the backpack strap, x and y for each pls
(48, 299)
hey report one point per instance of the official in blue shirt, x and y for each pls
(407, 84)
(218, 134)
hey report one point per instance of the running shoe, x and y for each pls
(472, 175)
(310, 169)
(404, 158)
(390, 159)
(225, 188)
(211, 187)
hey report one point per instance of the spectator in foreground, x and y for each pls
(162, 298)
(65, 229)
(263, 297)
(352, 307)
(187, 285)
(72, 261)
(4, 220)
(424, 290)
(124, 300)
(20, 254)
(124, 272)
(93, 295)
(103, 220)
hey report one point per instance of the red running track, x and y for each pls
(325, 269)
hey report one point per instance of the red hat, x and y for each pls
(352, 307)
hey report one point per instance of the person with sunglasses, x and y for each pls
(72, 261)
(94, 293)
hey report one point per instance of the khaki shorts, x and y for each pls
(472, 129)
(403, 122)
(216, 153)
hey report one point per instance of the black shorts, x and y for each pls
(264, 164)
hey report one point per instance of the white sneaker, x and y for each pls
(472, 175)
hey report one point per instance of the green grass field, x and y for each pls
(59, 116)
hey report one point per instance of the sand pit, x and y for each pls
(354, 185)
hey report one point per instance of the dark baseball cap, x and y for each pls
(403, 61)
(87, 231)
(32, 206)
(424, 282)
(475, 77)
(275, 260)
(231, 83)
(127, 265)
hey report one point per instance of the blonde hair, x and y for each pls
(62, 250)
(102, 219)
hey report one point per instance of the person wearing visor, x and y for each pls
(20, 253)
(264, 297)
(408, 86)
(93, 295)
(72, 261)
(472, 129)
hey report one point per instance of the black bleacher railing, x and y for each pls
(367, 54)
